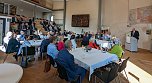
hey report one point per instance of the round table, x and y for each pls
(10, 73)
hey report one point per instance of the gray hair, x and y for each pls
(67, 46)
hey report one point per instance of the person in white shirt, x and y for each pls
(73, 41)
(7, 37)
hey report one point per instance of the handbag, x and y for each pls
(47, 65)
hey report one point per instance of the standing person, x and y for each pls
(135, 33)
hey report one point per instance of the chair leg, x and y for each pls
(42, 56)
(126, 74)
(115, 80)
(118, 78)
(5, 58)
(95, 79)
(80, 79)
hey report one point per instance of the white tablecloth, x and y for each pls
(92, 59)
(35, 42)
(10, 73)
(104, 43)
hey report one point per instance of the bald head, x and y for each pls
(133, 29)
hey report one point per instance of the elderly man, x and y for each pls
(135, 33)
(67, 60)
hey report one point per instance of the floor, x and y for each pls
(34, 73)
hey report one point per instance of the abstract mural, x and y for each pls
(140, 15)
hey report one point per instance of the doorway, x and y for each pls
(2, 30)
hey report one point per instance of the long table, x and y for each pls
(35, 42)
(92, 59)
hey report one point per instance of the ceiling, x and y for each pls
(26, 5)
(59, 0)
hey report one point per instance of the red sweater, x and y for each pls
(93, 45)
(60, 45)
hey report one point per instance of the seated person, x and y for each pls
(67, 60)
(52, 49)
(98, 35)
(106, 36)
(73, 41)
(85, 40)
(13, 45)
(44, 44)
(7, 37)
(92, 44)
(17, 35)
(60, 43)
(42, 36)
(117, 49)
(22, 36)
(24, 44)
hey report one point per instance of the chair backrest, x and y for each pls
(5, 45)
(28, 51)
(62, 71)
(123, 65)
(109, 72)
(44, 44)
(121, 57)
(52, 62)
(113, 73)
(44, 49)
(63, 74)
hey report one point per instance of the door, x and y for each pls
(1, 31)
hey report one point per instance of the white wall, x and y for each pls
(58, 5)
(82, 7)
(78, 7)
(28, 12)
(116, 16)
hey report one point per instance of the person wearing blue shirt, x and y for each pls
(52, 49)
(22, 36)
(66, 59)
(24, 44)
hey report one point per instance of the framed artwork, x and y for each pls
(81, 20)
(140, 15)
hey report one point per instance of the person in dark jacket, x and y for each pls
(13, 46)
(135, 33)
(43, 46)
(85, 40)
(67, 61)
